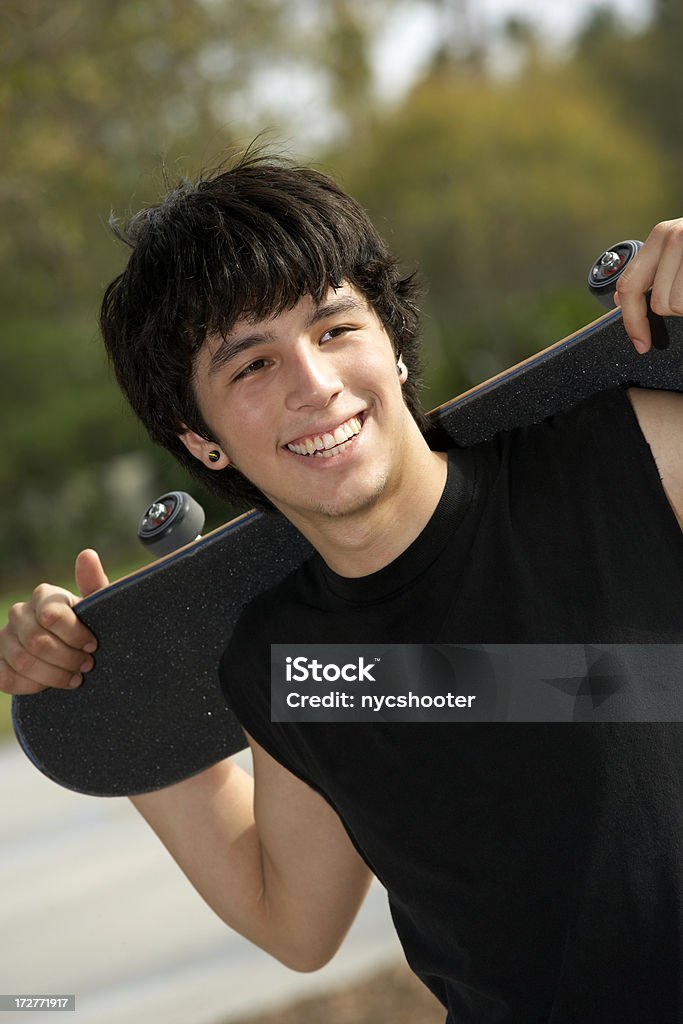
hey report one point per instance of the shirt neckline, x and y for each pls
(453, 504)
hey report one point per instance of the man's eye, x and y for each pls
(335, 332)
(251, 368)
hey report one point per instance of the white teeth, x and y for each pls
(329, 443)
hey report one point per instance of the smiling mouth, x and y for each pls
(333, 442)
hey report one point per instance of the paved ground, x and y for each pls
(391, 996)
(93, 905)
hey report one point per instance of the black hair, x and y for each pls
(246, 242)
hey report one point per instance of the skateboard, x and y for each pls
(151, 712)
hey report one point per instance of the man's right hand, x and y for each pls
(44, 644)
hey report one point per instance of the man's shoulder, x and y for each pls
(607, 410)
(588, 429)
(660, 417)
(588, 454)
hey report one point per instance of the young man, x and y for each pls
(534, 872)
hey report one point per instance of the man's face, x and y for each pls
(308, 406)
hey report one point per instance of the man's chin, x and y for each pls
(336, 506)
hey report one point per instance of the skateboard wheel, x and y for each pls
(170, 522)
(608, 268)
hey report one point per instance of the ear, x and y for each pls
(402, 370)
(200, 448)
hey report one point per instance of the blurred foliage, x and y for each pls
(639, 75)
(500, 188)
(93, 96)
(501, 193)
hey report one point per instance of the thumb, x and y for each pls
(90, 576)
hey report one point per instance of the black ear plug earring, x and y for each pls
(214, 455)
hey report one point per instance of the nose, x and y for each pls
(313, 378)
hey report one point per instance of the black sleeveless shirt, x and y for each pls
(534, 871)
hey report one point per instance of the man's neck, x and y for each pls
(361, 543)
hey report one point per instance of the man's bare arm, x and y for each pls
(269, 856)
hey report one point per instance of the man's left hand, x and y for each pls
(657, 267)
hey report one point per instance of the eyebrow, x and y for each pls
(231, 347)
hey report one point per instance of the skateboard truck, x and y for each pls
(170, 522)
(604, 276)
(608, 268)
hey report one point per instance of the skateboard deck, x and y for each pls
(151, 712)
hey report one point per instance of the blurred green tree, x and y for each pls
(638, 72)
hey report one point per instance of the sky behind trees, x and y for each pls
(403, 49)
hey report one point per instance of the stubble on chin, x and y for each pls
(357, 503)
